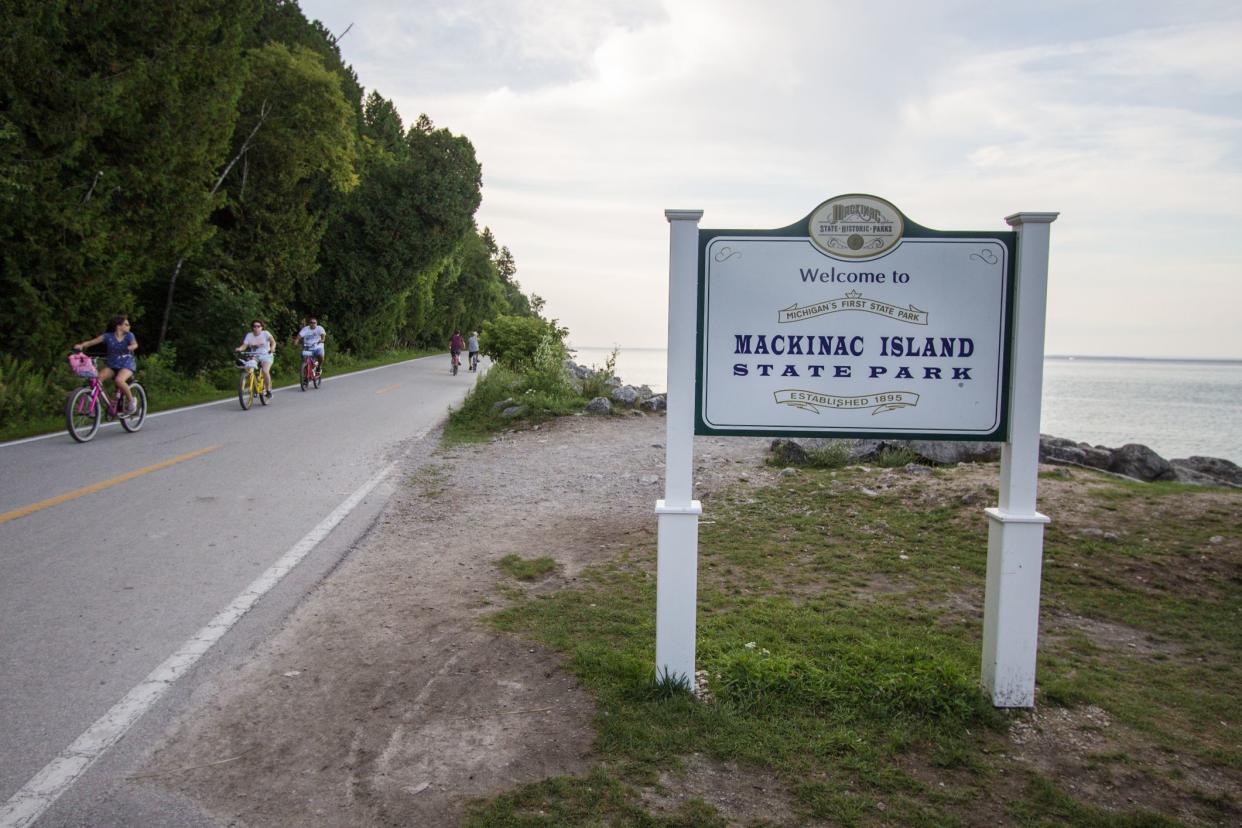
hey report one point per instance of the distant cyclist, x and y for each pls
(120, 360)
(263, 345)
(456, 344)
(312, 336)
(472, 345)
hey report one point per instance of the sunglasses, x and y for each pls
(256, 326)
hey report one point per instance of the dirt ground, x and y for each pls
(384, 699)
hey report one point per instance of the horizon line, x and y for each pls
(1102, 357)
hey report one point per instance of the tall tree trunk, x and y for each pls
(172, 282)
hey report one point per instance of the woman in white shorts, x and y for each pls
(263, 345)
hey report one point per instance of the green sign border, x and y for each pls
(912, 230)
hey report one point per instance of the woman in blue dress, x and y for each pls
(120, 360)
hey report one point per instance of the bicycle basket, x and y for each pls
(244, 362)
(82, 365)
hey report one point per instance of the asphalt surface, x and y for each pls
(98, 590)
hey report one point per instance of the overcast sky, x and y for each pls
(591, 118)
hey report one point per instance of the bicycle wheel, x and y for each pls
(245, 390)
(318, 376)
(133, 422)
(306, 371)
(81, 419)
(261, 389)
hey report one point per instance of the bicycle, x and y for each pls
(88, 405)
(251, 382)
(474, 361)
(456, 362)
(312, 373)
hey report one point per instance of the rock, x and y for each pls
(513, 411)
(613, 382)
(649, 479)
(503, 404)
(788, 472)
(1091, 532)
(634, 412)
(627, 395)
(1211, 467)
(976, 497)
(787, 451)
(645, 392)
(1060, 450)
(917, 468)
(952, 452)
(599, 405)
(1138, 461)
(656, 402)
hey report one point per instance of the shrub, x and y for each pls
(595, 384)
(513, 340)
(27, 393)
(547, 372)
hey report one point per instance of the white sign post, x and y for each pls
(1015, 529)
(677, 567)
(858, 322)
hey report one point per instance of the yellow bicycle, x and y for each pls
(251, 383)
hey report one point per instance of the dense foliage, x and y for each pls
(198, 164)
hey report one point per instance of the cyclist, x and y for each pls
(472, 345)
(120, 360)
(455, 346)
(312, 336)
(263, 345)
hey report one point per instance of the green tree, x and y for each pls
(113, 117)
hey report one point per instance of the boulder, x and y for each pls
(1060, 450)
(1138, 461)
(503, 404)
(1215, 469)
(656, 402)
(952, 452)
(788, 452)
(626, 395)
(513, 411)
(599, 405)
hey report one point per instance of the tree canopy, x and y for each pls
(197, 164)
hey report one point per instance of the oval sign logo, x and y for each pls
(855, 226)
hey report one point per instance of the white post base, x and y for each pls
(1011, 606)
(676, 589)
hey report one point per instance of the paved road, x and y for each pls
(98, 590)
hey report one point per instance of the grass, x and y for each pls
(526, 569)
(839, 626)
(181, 392)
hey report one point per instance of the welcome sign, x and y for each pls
(855, 322)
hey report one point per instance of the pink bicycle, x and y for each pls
(88, 405)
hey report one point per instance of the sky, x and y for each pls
(592, 118)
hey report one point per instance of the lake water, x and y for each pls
(1178, 408)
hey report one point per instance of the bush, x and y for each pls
(513, 340)
(595, 384)
(26, 393)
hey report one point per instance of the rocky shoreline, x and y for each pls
(1133, 460)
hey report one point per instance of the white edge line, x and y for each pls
(216, 402)
(46, 786)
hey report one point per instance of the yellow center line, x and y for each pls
(105, 484)
(388, 388)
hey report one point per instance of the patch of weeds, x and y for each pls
(537, 395)
(431, 481)
(599, 799)
(1046, 806)
(526, 569)
(895, 457)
